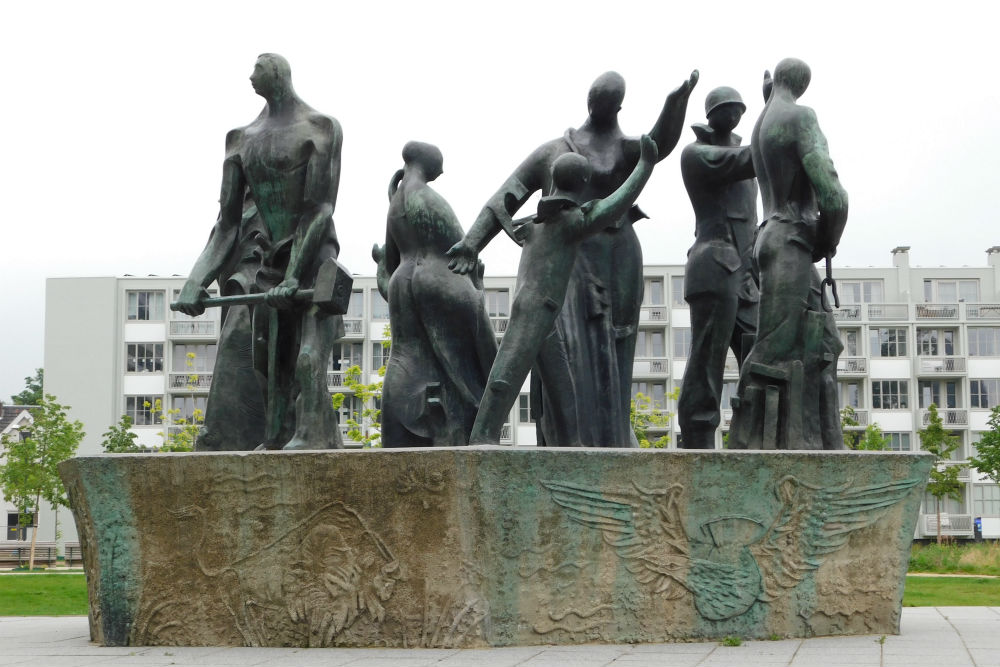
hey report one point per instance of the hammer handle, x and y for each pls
(302, 296)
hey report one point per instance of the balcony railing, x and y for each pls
(949, 417)
(354, 327)
(951, 524)
(335, 379)
(499, 324)
(506, 437)
(191, 381)
(860, 416)
(940, 365)
(852, 365)
(650, 367)
(888, 311)
(847, 312)
(653, 314)
(937, 311)
(727, 419)
(195, 328)
(982, 311)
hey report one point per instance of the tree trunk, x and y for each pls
(937, 504)
(34, 536)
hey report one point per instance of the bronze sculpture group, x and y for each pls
(575, 316)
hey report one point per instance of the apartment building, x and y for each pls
(912, 336)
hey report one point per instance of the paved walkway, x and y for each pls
(931, 636)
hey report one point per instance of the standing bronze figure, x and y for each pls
(286, 164)
(718, 283)
(581, 387)
(788, 388)
(443, 344)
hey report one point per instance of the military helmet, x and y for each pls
(722, 95)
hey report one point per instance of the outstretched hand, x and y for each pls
(647, 149)
(768, 84)
(686, 87)
(464, 258)
(191, 298)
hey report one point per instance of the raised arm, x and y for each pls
(831, 198)
(606, 211)
(222, 240)
(667, 130)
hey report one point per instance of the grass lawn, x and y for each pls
(43, 595)
(951, 592)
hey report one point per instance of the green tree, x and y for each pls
(29, 473)
(872, 439)
(32, 394)
(368, 431)
(988, 459)
(944, 477)
(644, 416)
(119, 438)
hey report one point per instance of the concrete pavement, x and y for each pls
(931, 636)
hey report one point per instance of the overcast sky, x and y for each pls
(114, 118)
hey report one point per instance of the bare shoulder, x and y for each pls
(234, 140)
(328, 125)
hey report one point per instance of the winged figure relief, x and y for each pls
(736, 560)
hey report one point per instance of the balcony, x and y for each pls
(982, 311)
(949, 417)
(851, 313)
(852, 366)
(354, 327)
(861, 417)
(643, 367)
(653, 314)
(194, 381)
(335, 380)
(937, 311)
(884, 312)
(499, 324)
(727, 419)
(506, 435)
(951, 524)
(193, 329)
(940, 365)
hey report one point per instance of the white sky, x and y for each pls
(114, 117)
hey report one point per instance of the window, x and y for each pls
(951, 291)
(356, 306)
(948, 504)
(984, 341)
(380, 355)
(187, 406)
(728, 393)
(380, 307)
(652, 293)
(850, 338)
(144, 358)
(898, 442)
(859, 291)
(677, 292)
(682, 342)
(193, 358)
(888, 342)
(935, 342)
(851, 395)
(650, 343)
(17, 532)
(524, 409)
(890, 394)
(145, 306)
(498, 302)
(144, 410)
(346, 355)
(656, 392)
(934, 391)
(984, 394)
(986, 500)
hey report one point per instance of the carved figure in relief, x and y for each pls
(736, 561)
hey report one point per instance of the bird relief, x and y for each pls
(734, 561)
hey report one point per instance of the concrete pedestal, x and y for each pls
(487, 546)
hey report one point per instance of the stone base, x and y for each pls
(488, 546)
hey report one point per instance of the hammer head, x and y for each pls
(332, 289)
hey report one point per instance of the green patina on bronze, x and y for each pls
(465, 547)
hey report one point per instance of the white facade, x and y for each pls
(912, 336)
